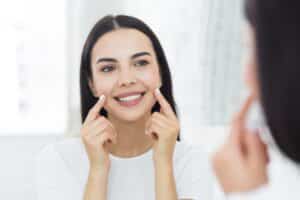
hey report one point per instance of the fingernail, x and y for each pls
(157, 90)
(148, 132)
(101, 97)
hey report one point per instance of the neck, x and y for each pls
(131, 138)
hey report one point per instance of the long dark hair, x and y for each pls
(108, 24)
(277, 30)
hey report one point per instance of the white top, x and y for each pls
(284, 181)
(62, 172)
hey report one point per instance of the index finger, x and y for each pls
(94, 111)
(165, 106)
(242, 114)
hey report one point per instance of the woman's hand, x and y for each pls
(163, 127)
(241, 163)
(95, 133)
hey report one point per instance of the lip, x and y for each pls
(130, 103)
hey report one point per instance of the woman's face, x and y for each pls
(125, 70)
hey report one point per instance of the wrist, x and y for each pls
(163, 169)
(99, 171)
(97, 177)
(100, 164)
(165, 162)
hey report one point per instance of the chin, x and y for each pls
(130, 117)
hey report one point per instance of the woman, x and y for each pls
(128, 147)
(241, 163)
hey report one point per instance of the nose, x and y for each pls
(126, 78)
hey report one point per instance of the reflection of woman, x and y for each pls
(241, 164)
(128, 147)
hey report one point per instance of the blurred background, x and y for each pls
(40, 49)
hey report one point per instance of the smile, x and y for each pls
(130, 99)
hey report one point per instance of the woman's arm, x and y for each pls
(165, 188)
(163, 127)
(95, 133)
(96, 187)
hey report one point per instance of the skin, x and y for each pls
(241, 162)
(124, 61)
(250, 70)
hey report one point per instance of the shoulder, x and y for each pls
(283, 170)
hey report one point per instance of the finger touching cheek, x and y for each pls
(105, 88)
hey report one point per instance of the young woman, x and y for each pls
(241, 163)
(129, 146)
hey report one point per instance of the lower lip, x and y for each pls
(130, 103)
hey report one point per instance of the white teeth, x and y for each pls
(130, 98)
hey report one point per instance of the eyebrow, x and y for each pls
(106, 60)
(140, 54)
(114, 60)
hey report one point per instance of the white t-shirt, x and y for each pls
(62, 172)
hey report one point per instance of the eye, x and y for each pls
(107, 68)
(141, 63)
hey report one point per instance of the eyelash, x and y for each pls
(109, 67)
(141, 63)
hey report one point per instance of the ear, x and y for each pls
(92, 88)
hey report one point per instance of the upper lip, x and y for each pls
(126, 94)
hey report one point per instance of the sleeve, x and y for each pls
(195, 181)
(53, 179)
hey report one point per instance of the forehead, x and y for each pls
(121, 43)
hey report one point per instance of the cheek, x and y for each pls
(250, 75)
(104, 86)
(150, 78)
